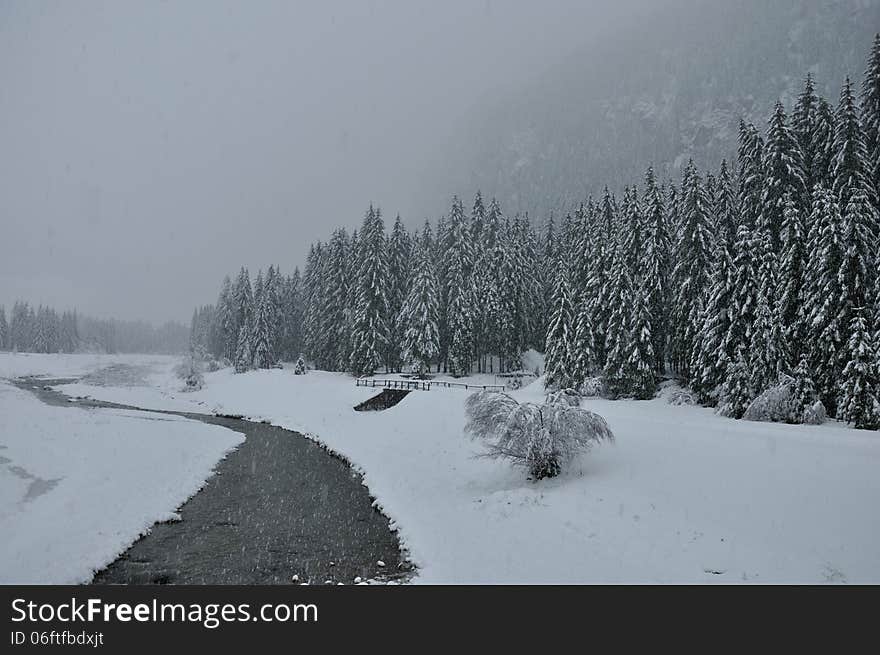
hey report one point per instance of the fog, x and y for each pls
(148, 148)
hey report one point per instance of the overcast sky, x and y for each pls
(149, 148)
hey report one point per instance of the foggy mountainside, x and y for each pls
(670, 88)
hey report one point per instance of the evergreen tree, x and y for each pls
(736, 393)
(803, 124)
(370, 315)
(803, 392)
(656, 263)
(783, 174)
(418, 319)
(859, 402)
(712, 349)
(458, 293)
(226, 319)
(792, 270)
(768, 354)
(825, 300)
(691, 273)
(871, 116)
(641, 361)
(399, 252)
(558, 361)
(4, 330)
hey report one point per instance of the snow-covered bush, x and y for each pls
(543, 438)
(592, 387)
(790, 400)
(213, 366)
(190, 371)
(300, 367)
(681, 397)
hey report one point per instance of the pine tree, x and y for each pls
(783, 174)
(825, 302)
(859, 403)
(418, 319)
(792, 269)
(751, 173)
(244, 306)
(850, 166)
(558, 361)
(767, 354)
(803, 392)
(616, 374)
(641, 361)
(399, 253)
(656, 264)
(261, 331)
(736, 393)
(712, 350)
(460, 310)
(4, 330)
(370, 315)
(803, 126)
(870, 100)
(691, 273)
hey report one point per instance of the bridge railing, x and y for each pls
(423, 385)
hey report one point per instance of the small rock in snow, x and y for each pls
(357, 580)
(380, 563)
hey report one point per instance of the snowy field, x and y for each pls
(683, 496)
(77, 487)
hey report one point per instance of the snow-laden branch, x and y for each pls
(542, 437)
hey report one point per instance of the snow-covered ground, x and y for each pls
(77, 487)
(683, 495)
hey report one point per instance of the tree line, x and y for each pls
(735, 277)
(42, 329)
(726, 279)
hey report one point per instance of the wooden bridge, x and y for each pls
(423, 385)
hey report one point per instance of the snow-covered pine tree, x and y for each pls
(736, 392)
(337, 278)
(244, 306)
(751, 173)
(859, 402)
(792, 270)
(712, 353)
(656, 263)
(549, 258)
(418, 318)
(823, 146)
(870, 99)
(693, 253)
(558, 360)
(226, 319)
(803, 126)
(768, 349)
(824, 297)
(640, 364)
(293, 316)
(783, 174)
(261, 337)
(399, 253)
(583, 261)
(370, 315)
(803, 394)
(600, 298)
(616, 374)
(458, 294)
(4, 330)
(851, 169)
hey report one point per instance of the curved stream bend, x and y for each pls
(279, 505)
